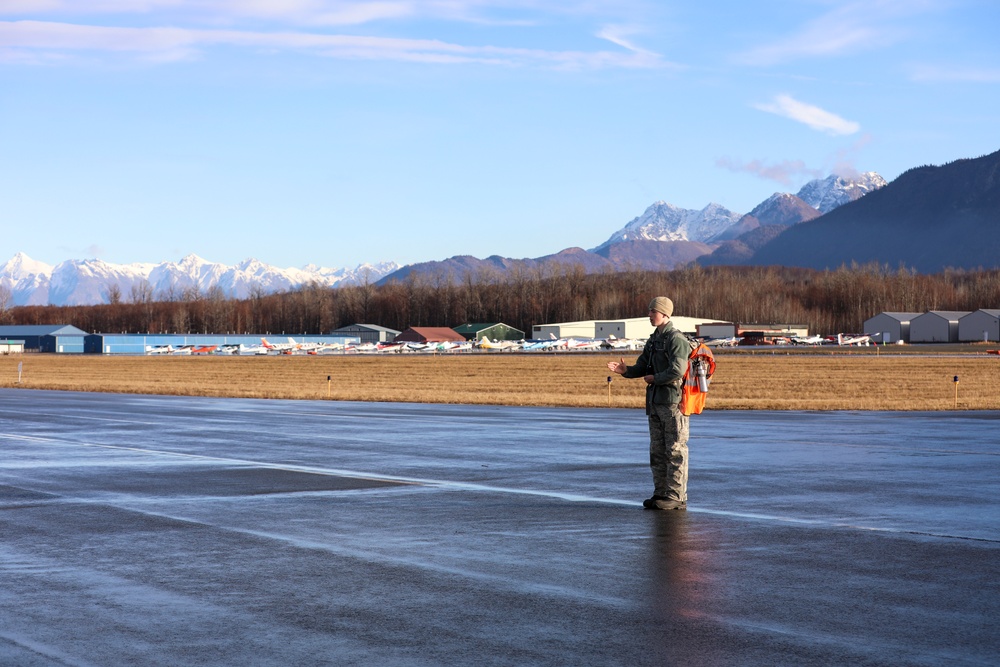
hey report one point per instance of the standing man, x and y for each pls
(662, 365)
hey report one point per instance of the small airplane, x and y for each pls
(853, 339)
(807, 340)
(614, 343)
(732, 341)
(588, 344)
(306, 346)
(280, 347)
(326, 348)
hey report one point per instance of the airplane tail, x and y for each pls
(263, 341)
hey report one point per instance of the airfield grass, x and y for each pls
(776, 381)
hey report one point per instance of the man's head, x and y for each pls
(660, 310)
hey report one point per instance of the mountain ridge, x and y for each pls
(928, 219)
(664, 236)
(93, 281)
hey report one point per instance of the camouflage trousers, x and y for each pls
(668, 451)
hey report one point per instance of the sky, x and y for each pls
(337, 133)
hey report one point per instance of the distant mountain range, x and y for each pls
(666, 236)
(86, 282)
(929, 218)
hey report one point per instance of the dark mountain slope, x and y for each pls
(929, 218)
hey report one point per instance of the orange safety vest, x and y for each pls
(701, 368)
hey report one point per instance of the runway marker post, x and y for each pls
(609, 391)
(20, 365)
(328, 380)
(956, 391)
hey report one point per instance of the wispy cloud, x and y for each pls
(621, 36)
(793, 172)
(323, 12)
(166, 44)
(786, 172)
(807, 114)
(850, 28)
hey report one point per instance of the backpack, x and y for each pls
(701, 368)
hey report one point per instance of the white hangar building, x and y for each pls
(632, 327)
(891, 327)
(639, 327)
(982, 325)
(936, 326)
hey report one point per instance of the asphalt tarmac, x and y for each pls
(142, 530)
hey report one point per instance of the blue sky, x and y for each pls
(337, 133)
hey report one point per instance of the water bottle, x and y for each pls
(702, 373)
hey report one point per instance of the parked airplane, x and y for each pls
(807, 340)
(853, 339)
(496, 345)
(280, 347)
(723, 342)
(326, 348)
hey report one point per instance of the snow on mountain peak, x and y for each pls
(86, 282)
(21, 266)
(828, 193)
(665, 222)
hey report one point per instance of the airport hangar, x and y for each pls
(67, 339)
(62, 338)
(141, 343)
(367, 333)
(936, 326)
(633, 327)
(491, 330)
(981, 325)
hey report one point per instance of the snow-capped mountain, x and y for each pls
(666, 222)
(93, 281)
(828, 193)
(26, 279)
(715, 223)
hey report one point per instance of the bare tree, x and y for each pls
(6, 300)
(113, 293)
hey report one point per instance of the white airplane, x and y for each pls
(807, 340)
(280, 347)
(159, 349)
(615, 343)
(574, 344)
(853, 339)
(723, 342)
(326, 348)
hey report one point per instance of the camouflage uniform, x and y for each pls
(665, 357)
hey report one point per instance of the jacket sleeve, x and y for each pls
(639, 368)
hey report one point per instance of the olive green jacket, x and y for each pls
(665, 357)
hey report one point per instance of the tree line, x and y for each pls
(825, 301)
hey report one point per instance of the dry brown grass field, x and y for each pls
(758, 381)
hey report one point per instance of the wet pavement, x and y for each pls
(147, 530)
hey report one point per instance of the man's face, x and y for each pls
(656, 318)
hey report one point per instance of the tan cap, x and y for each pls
(662, 304)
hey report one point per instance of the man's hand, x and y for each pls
(617, 366)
